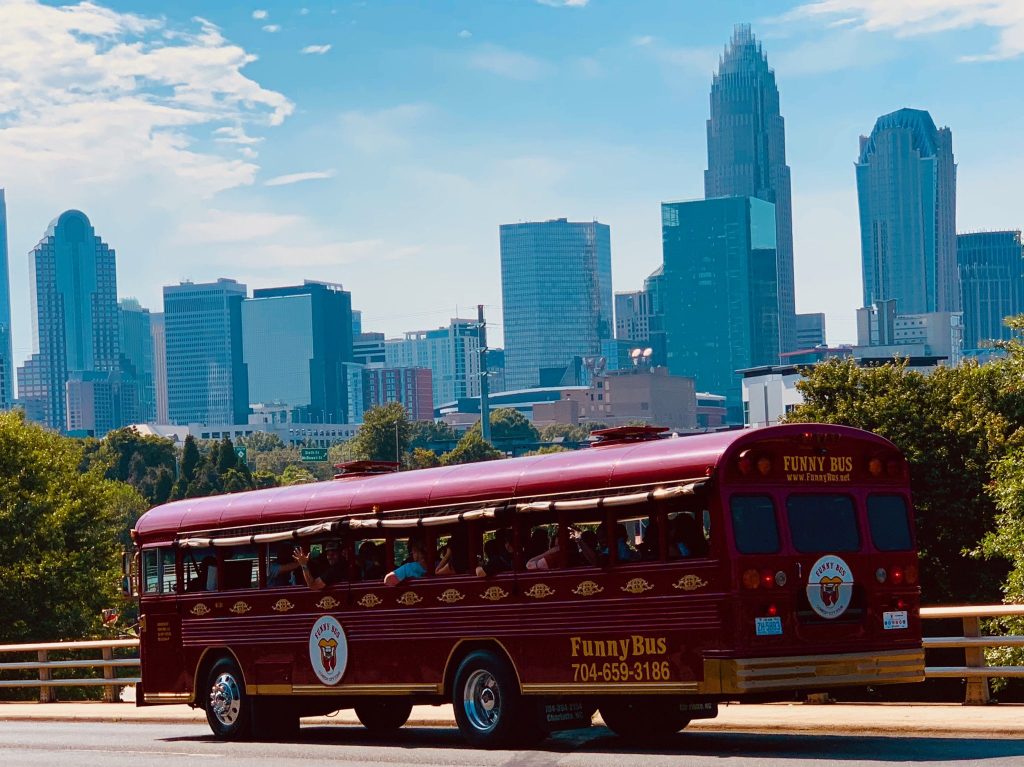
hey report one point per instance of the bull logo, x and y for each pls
(328, 650)
(328, 654)
(830, 590)
(830, 586)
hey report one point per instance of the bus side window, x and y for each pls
(168, 575)
(370, 560)
(241, 568)
(201, 569)
(151, 571)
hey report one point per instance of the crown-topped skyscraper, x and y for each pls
(747, 152)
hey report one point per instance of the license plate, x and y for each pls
(768, 626)
(897, 619)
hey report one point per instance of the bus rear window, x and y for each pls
(822, 523)
(890, 525)
(753, 524)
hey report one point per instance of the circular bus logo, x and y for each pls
(830, 586)
(328, 650)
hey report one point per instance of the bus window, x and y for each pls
(410, 561)
(370, 560)
(890, 528)
(168, 576)
(201, 569)
(822, 523)
(282, 567)
(753, 524)
(241, 568)
(687, 536)
(151, 571)
(453, 553)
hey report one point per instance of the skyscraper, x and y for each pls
(452, 354)
(136, 336)
(906, 187)
(156, 329)
(719, 292)
(556, 286)
(296, 342)
(75, 330)
(747, 152)
(6, 354)
(991, 266)
(206, 377)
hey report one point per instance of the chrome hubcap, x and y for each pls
(481, 700)
(226, 699)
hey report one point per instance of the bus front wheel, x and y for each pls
(228, 708)
(383, 715)
(489, 709)
(642, 720)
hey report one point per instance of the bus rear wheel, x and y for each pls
(643, 720)
(383, 715)
(489, 709)
(228, 708)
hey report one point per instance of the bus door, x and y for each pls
(160, 628)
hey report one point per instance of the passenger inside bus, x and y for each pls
(649, 547)
(415, 567)
(334, 572)
(582, 550)
(282, 571)
(538, 543)
(454, 555)
(687, 539)
(498, 553)
(205, 577)
(370, 561)
(623, 551)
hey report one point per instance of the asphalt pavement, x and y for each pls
(885, 719)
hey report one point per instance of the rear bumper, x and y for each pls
(752, 675)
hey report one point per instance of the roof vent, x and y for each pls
(351, 469)
(623, 435)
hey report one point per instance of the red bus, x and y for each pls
(676, 573)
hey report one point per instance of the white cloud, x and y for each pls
(642, 40)
(304, 11)
(907, 18)
(90, 95)
(507, 63)
(259, 14)
(564, 3)
(272, 28)
(224, 226)
(316, 49)
(295, 178)
(465, 34)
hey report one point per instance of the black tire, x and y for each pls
(274, 719)
(228, 707)
(643, 720)
(489, 709)
(383, 715)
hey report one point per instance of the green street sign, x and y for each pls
(242, 452)
(314, 454)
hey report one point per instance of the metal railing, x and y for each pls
(46, 682)
(976, 672)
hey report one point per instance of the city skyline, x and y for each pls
(450, 128)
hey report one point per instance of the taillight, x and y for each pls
(901, 604)
(773, 610)
(894, 467)
(767, 578)
(875, 467)
(896, 575)
(751, 579)
(745, 463)
(764, 465)
(910, 574)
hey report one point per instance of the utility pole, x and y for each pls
(485, 408)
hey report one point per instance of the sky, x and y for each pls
(381, 144)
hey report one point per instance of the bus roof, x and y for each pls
(626, 465)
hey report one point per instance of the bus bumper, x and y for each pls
(751, 675)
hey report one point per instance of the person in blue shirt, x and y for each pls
(416, 567)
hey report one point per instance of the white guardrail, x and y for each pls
(976, 672)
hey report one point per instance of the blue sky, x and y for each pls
(380, 144)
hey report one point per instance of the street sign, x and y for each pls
(314, 454)
(242, 452)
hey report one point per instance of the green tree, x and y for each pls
(264, 479)
(260, 442)
(227, 458)
(62, 531)
(422, 434)
(471, 449)
(566, 433)
(509, 425)
(951, 425)
(384, 435)
(422, 458)
(296, 475)
(548, 449)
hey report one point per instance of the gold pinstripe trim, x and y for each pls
(167, 697)
(663, 688)
(367, 689)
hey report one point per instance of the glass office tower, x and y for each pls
(556, 287)
(74, 328)
(6, 352)
(719, 292)
(296, 342)
(906, 188)
(991, 266)
(137, 351)
(747, 152)
(206, 377)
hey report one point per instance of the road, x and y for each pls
(26, 744)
